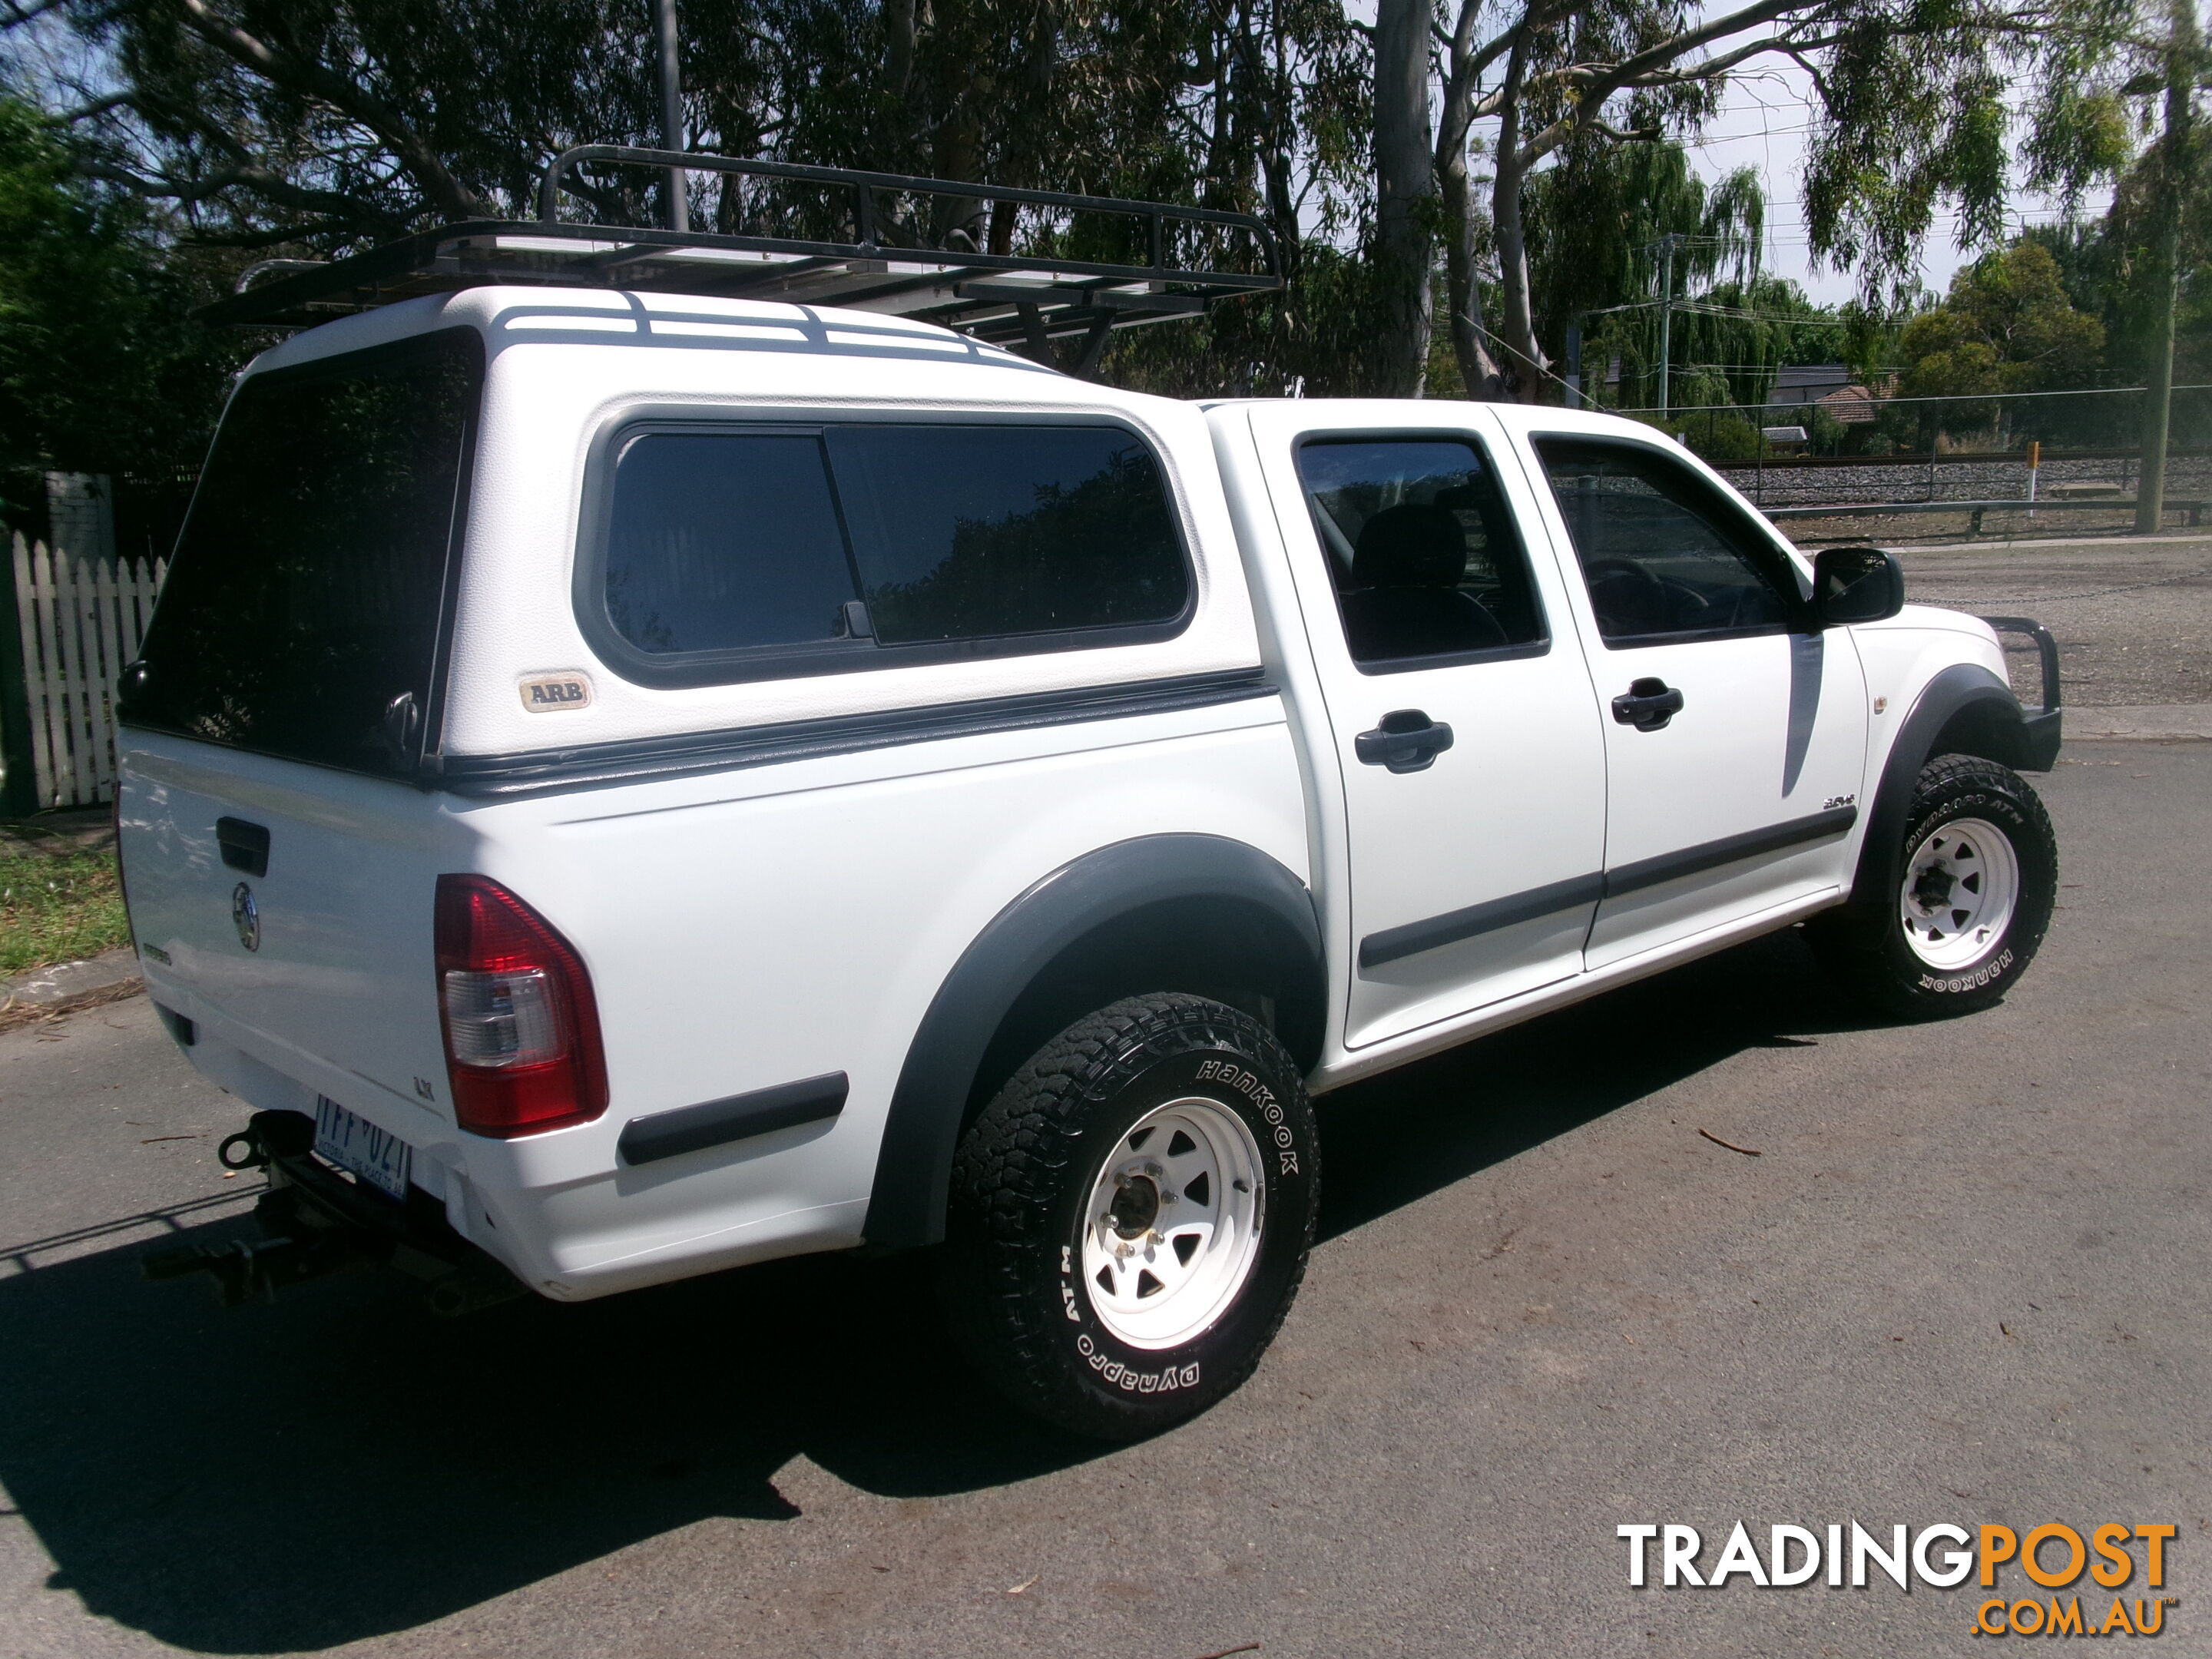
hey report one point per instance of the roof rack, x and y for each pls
(1007, 299)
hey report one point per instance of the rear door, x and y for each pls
(1736, 736)
(1464, 725)
(274, 846)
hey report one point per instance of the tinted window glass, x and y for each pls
(971, 531)
(1662, 551)
(310, 573)
(717, 541)
(1422, 550)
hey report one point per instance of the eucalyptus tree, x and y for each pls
(2118, 72)
(322, 126)
(1910, 110)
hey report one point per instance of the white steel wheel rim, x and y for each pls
(1172, 1227)
(1961, 886)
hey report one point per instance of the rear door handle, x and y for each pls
(1647, 705)
(1407, 740)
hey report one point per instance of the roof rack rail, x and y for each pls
(1007, 299)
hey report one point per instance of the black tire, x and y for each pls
(1864, 944)
(1011, 1274)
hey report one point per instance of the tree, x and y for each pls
(324, 126)
(1912, 110)
(102, 369)
(2007, 325)
(1595, 222)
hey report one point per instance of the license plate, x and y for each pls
(376, 1157)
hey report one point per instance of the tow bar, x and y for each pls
(315, 1223)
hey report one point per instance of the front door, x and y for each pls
(1735, 731)
(1465, 728)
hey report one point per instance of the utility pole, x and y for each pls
(2182, 67)
(672, 110)
(1667, 244)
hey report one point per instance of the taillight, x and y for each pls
(522, 1031)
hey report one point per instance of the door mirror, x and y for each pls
(1856, 585)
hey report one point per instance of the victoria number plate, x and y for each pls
(378, 1158)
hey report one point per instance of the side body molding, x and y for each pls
(1959, 688)
(1036, 933)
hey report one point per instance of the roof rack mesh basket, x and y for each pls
(1016, 299)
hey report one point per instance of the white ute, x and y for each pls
(629, 780)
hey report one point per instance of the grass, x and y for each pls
(57, 906)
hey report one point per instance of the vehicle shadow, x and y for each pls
(1397, 1137)
(339, 1465)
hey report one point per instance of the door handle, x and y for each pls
(1407, 740)
(1647, 705)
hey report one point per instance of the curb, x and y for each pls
(65, 987)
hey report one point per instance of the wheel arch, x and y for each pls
(1194, 913)
(1963, 710)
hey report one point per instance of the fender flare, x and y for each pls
(928, 1108)
(1959, 687)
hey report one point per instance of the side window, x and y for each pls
(741, 554)
(964, 532)
(720, 541)
(1664, 553)
(1424, 553)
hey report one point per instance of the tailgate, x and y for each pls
(312, 940)
(279, 863)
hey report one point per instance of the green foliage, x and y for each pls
(1595, 219)
(2008, 324)
(57, 906)
(101, 368)
(324, 126)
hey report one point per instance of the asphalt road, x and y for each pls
(1963, 1281)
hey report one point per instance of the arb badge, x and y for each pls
(542, 694)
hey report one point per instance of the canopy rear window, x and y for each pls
(302, 616)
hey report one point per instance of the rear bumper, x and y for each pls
(560, 1211)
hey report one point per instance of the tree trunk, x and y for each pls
(2169, 183)
(1405, 189)
(1478, 370)
(1523, 359)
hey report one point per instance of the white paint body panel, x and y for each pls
(747, 927)
(1516, 803)
(1772, 728)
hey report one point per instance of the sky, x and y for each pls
(1763, 126)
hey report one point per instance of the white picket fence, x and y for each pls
(81, 621)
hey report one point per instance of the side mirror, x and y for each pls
(1856, 585)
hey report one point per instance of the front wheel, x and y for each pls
(1975, 885)
(1131, 1216)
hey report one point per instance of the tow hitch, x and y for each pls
(314, 1222)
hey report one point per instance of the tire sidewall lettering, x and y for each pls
(1942, 800)
(1239, 1085)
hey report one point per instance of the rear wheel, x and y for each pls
(1975, 885)
(1131, 1216)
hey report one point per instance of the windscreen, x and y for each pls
(301, 617)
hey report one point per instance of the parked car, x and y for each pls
(630, 783)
